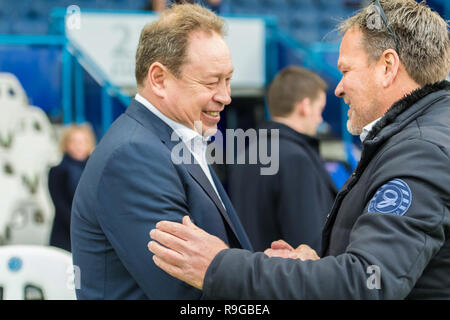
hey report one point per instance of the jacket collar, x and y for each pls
(149, 120)
(399, 116)
(290, 134)
(403, 106)
(68, 159)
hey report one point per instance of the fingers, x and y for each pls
(169, 256)
(174, 271)
(282, 253)
(305, 252)
(177, 229)
(168, 240)
(187, 222)
(281, 244)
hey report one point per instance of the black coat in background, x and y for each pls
(291, 205)
(62, 182)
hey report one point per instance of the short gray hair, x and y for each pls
(423, 42)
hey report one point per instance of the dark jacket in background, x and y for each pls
(291, 205)
(62, 182)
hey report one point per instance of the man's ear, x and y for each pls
(156, 79)
(390, 62)
(302, 107)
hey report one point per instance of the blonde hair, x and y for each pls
(423, 43)
(70, 129)
(165, 40)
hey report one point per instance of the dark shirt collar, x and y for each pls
(69, 159)
(291, 134)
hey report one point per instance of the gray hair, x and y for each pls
(423, 42)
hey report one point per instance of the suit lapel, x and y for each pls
(235, 224)
(149, 120)
(197, 173)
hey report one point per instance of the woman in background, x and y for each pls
(77, 143)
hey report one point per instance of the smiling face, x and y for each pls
(203, 89)
(359, 86)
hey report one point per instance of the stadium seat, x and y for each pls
(244, 6)
(27, 149)
(298, 4)
(36, 273)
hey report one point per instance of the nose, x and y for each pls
(223, 94)
(339, 91)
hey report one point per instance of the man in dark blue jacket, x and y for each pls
(388, 233)
(293, 203)
(134, 178)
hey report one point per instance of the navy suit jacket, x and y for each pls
(129, 184)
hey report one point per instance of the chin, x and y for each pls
(352, 129)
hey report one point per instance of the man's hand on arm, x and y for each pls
(186, 251)
(281, 248)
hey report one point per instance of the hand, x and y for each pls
(305, 252)
(281, 248)
(186, 251)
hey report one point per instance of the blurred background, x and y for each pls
(68, 62)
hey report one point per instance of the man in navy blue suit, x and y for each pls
(131, 181)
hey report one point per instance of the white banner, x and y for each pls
(110, 40)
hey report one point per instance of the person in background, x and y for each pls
(292, 204)
(77, 143)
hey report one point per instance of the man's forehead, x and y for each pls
(343, 62)
(350, 48)
(211, 49)
(204, 38)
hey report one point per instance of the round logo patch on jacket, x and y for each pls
(393, 197)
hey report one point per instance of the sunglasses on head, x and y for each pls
(377, 4)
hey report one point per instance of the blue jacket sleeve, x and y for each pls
(139, 187)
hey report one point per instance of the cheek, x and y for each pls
(204, 101)
(357, 89)
(351, 84)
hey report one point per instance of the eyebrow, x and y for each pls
(218, 75)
